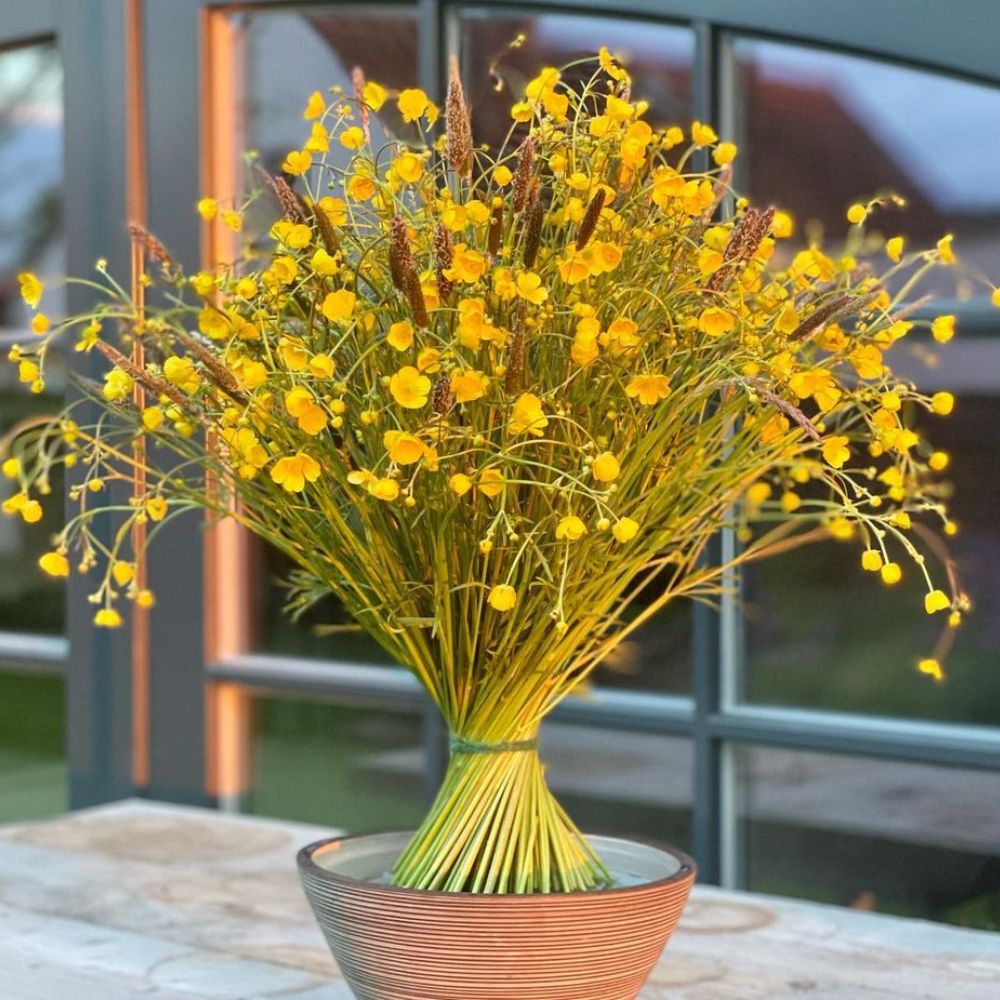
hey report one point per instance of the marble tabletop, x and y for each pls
(140, 899)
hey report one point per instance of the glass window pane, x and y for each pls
(289, 54)
(33, 778)
(899, 838)
(632, 784)
(822, 633)
(31, 238)
(659, 58)
(821, 130)
(355, 769)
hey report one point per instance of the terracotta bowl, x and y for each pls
(408, 944)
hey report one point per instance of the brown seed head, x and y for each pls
(458, 132)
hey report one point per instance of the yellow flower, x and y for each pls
(945, 251)
(208, 208)
(609, 65)
(428, 360)
(122, 572)
(374, 95)
(782, 226)
(292, 472)
(315, 106)
(152, 418)
(246, 288)
(724, 153)
(521, 111)
(408, 167)
(323, 264)
(703, 135)
(932, 668)
(605, 468)
(936, 600)
(31, 288)
(54, 564)
(108, 618)
(319, 139)
(352, 138)
(460, 484)
(621, 336)
(716, 321)
(409, 388)
(939, 460)
(384, 489)
(117, 385)
(942, 403)
(648, 389)
(403, 448)
(310, 416)
(502, 597)
(339, 305)
(233, 220)
(943, 328)
(145, 598)
(285, 269)
(625, 529)
(182, 373)
(527, 416)
(360, 188)
(11, 468)
(250, 454)
(502, 175)
(894, 248)
(529, 287)
(466, 264)
(867, 361)
(298, 161)
(400, 336)
(412, 104)
(995, 297)
(570, 528)
(40, 324)
(891, 573)
(835, 450)
(491, 483)
(335, 209)
(156, 508)
(468, 386)
(871, 560)
(857, 214)
(292, 352)
(321, 365)
(296, 236)
(818, 383)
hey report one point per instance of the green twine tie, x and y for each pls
(458, 744)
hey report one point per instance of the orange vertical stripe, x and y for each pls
(227, 556)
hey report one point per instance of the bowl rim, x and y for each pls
(307, 865)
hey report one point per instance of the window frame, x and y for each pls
(199, 682)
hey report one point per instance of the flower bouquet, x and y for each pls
(487, 398)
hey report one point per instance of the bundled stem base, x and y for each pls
(496, 828)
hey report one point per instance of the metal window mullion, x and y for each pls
(709, 788)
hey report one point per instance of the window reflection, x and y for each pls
(819, 131)
(658, 57)
(914, 840)
(31, 238)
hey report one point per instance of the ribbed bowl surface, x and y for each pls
(406, 944)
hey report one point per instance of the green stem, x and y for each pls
(493, 806)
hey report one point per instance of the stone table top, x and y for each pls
(140, 899)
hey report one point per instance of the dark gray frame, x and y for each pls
(956, 39)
